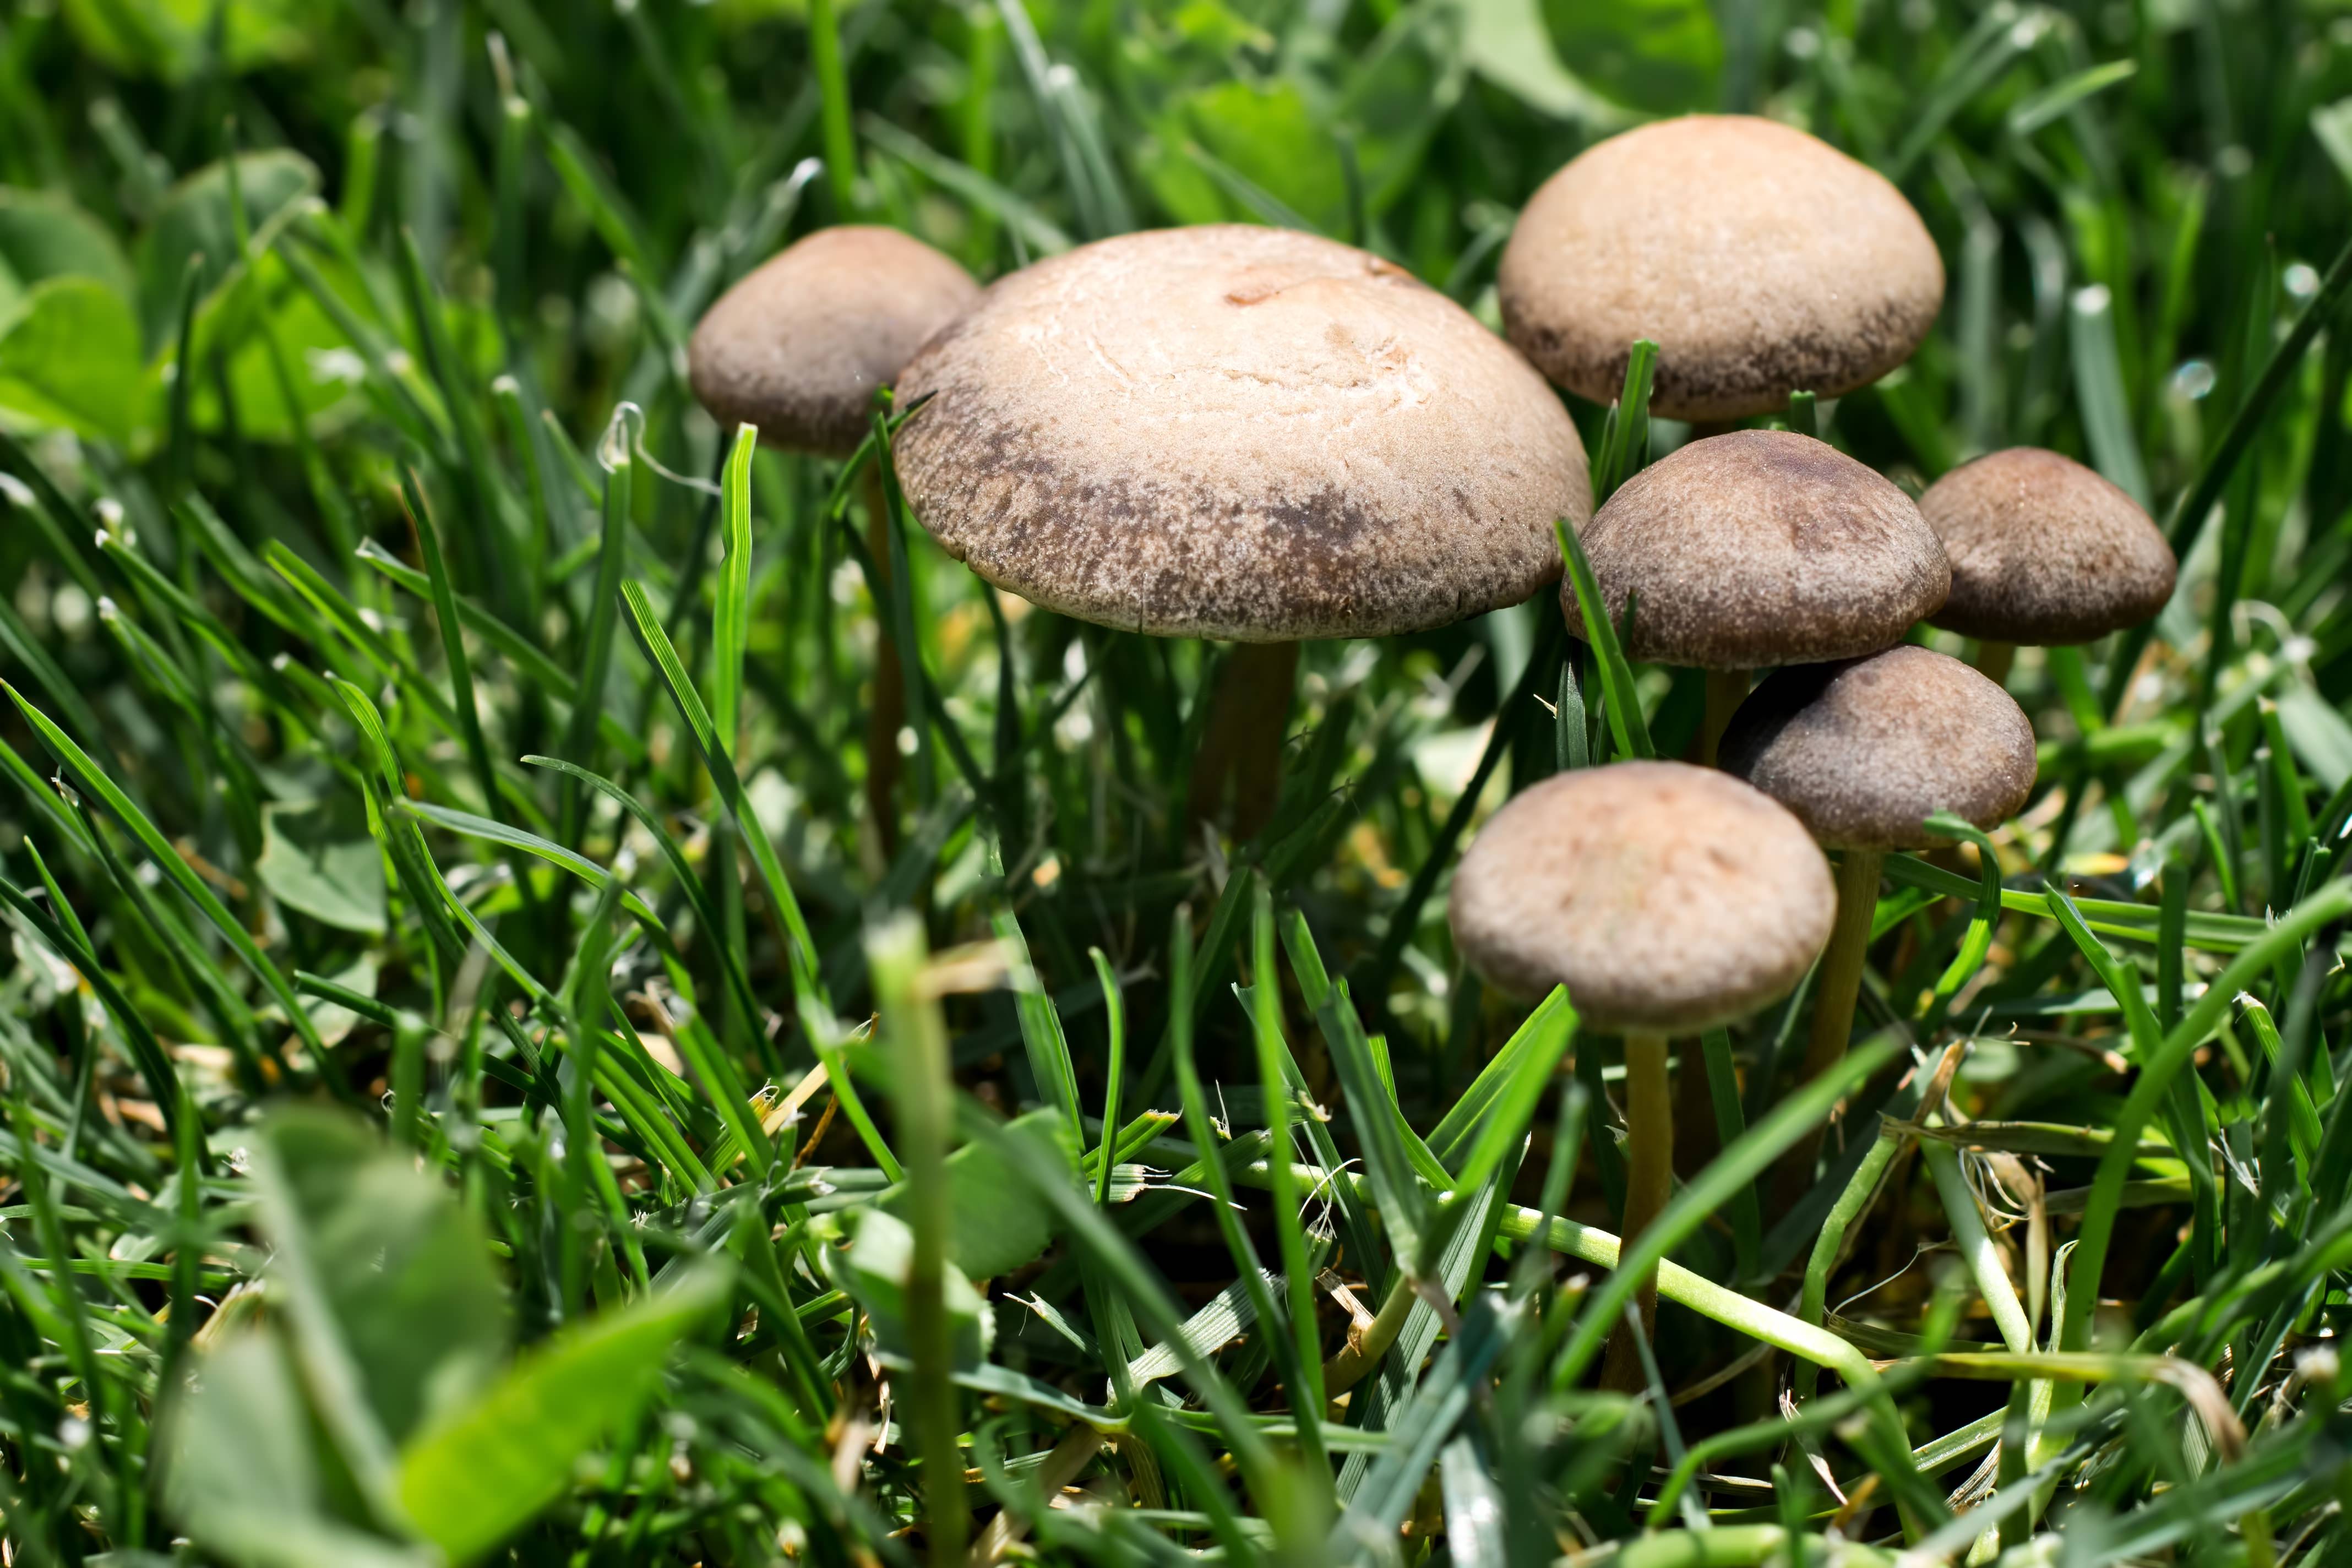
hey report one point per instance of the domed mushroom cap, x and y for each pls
(1760, 260)
(799, 344)
(1863, 752)
(1238, 432)
(1761, 547)
(2043, 551)
(1666, 897)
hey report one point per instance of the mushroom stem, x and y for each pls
(1241, 745)
(887, 713)
(1726, 691)
(1993, 659)
(1833, 997)
(1649, 1184)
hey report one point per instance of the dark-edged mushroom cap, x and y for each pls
(1862, 752)
(799, 344)
(1760, 260)
(1760, 548)
(2043, 551)
(1238, 432)
(1666, 897)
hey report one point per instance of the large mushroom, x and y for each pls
(1760, 260)
(1668, 900)
(1862, 752)
(797, 348)
(1756, 548)
(1246, 434)
(2044, 552)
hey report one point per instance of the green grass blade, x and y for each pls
(732, 617)
(91, 777)
(1625, 703)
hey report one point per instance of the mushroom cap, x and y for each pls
(1665, 898)
(799, 344)
(1238, 432)
(1760, 548)
(1862, 752)
(1760, 260)
(2043, 551)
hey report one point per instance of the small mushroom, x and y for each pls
(1668, 900)
(1756, 548)
(2044, 552)
(797, 348)
(1862, 752)
(1240, 433)
(1760, 260)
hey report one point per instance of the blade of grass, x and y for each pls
(176, 870)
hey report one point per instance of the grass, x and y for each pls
(476, 1088)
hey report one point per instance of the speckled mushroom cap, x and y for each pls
(2043, 551)
(1760, 260)
(1238, 432)
(1761, 547)
(1666, 897)
(1862, 752)
(799, 344)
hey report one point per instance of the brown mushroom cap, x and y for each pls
(1760, 260)
(799, 344)
(2043, 551)
(1863, 752)
(1239, 432)
(1665, 898)
(1760, 548)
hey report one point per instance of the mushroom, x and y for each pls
(1862, 752)
(1240, 433)
(1668, 900)
(1760, 260)
(1759, 548)
(797, 348)
(799, 344)
(2046, 552)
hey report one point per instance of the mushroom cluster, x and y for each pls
(1259, 436)
(1762, 264)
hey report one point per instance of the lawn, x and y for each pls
(580, 989)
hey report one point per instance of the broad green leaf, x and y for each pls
(996, 1227)
(334, 1021)
(1397, 97)
(480, 1472)
(44, 234)
(874, 1272)
(1505, 42)
(319, 858)
(197, 220)
(1267, 133)
(237, 329)
(69, 358)
(1660, 57)
(368, 1249)
(241, 1475)
(2318, 732)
